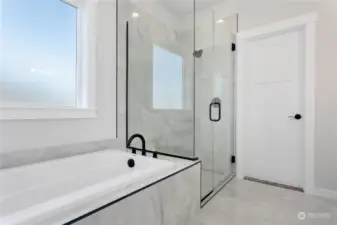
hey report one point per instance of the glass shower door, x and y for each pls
(223, 88)
(214, 98)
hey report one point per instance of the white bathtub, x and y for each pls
(31, 194)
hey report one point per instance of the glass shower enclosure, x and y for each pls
(179, 68)
(160, 76)
(214, 98)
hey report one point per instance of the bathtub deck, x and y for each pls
(47, 197)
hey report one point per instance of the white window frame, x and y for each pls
(86, 73)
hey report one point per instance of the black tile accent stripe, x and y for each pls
(128, 195)
(274, 184)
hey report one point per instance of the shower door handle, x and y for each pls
(217, 105)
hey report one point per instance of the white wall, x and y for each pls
(256, 13)
(326, 103)
(26, 135)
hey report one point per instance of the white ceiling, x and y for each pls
(183, 8)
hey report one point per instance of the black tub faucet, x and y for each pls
(143, 143)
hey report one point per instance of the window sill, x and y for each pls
(44, 113)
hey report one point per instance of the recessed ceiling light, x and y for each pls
(220, 21)
(135, 15)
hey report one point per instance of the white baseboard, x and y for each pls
(325, 193)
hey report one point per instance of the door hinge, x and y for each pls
(233, 47)
(233, 159)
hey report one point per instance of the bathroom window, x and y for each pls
(167, 79)
(42, 52)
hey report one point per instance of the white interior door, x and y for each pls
(273, 74)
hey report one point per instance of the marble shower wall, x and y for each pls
(174, 201)
(165, 130)
(20, 158)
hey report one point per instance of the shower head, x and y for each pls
(198, 53)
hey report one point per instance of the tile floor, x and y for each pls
(248, 203)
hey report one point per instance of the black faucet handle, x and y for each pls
(155, 155)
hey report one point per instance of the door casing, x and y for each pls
(306, 23)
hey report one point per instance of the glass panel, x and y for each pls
(180, 74)
(223, 67)
(214, 97)
(38, 53)
(204, 94)
(160, 77)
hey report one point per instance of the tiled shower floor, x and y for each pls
(244, 202)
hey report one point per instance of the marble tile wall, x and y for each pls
(25, 157)
(174, 201)
(165, 130)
